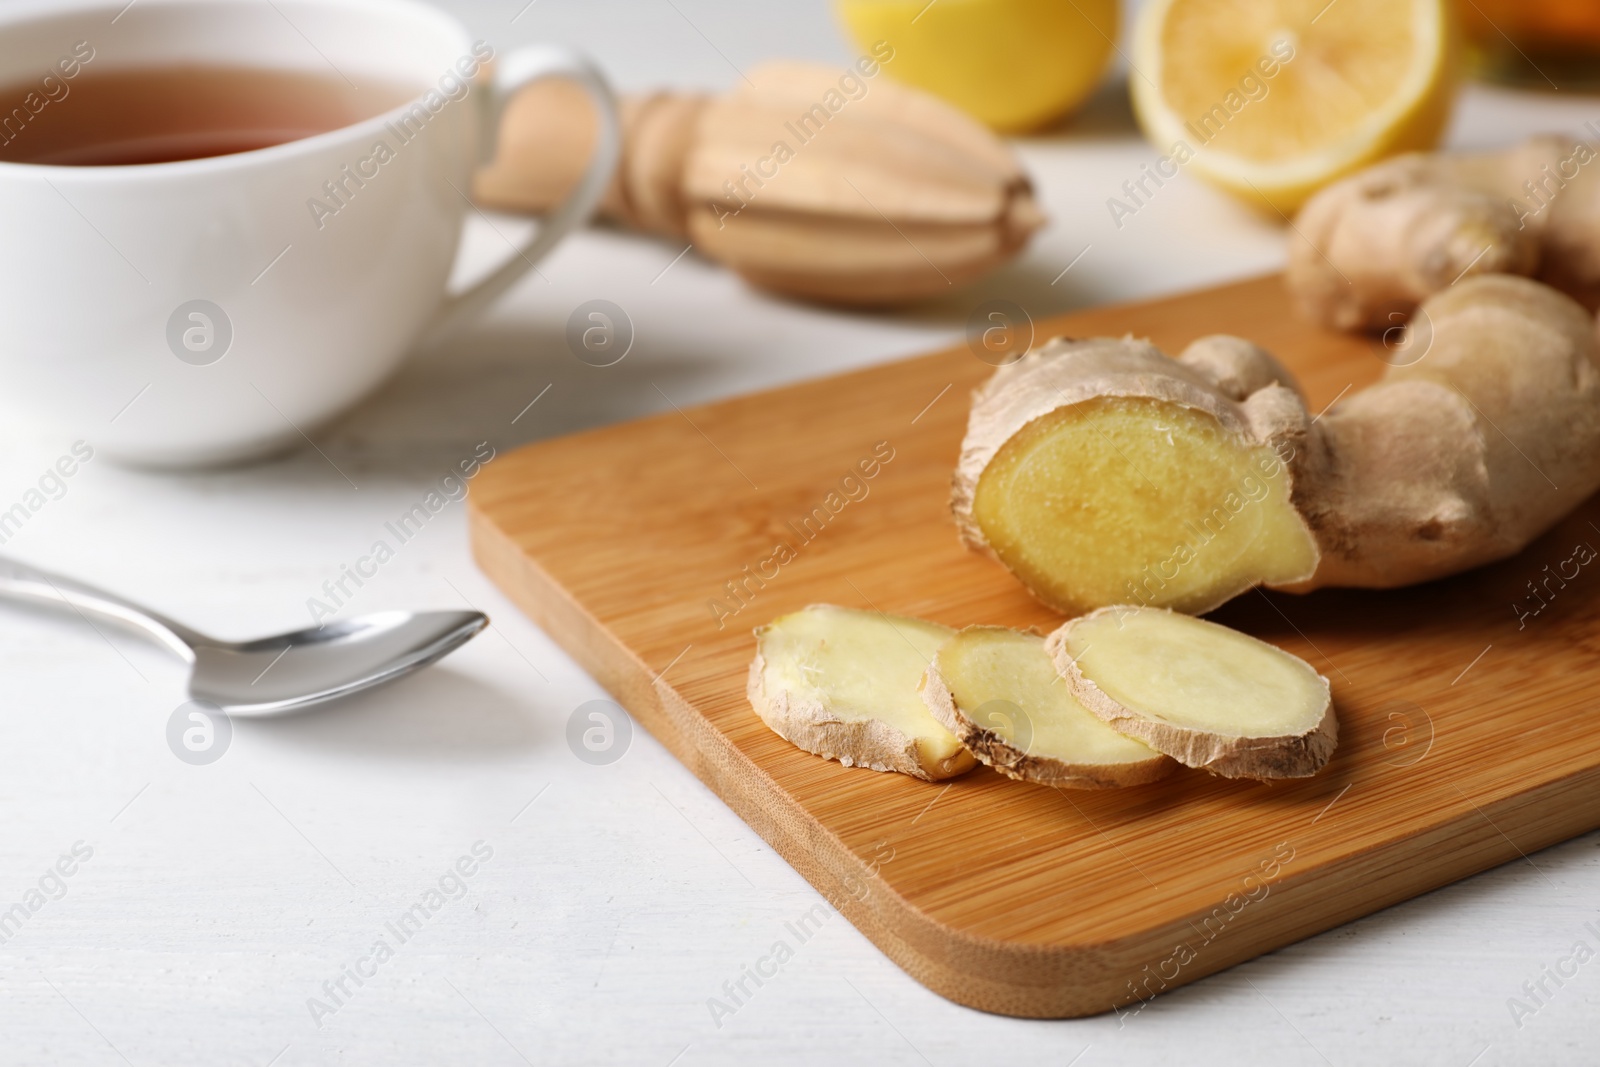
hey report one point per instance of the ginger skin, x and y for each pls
(1365, 251)
(1486, 435)
(1465, 455)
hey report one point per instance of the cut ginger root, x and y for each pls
(1101, 472)
(1207, 696)
(843, 684)
(1093, 469)
(997, 691)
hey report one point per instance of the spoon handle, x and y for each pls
(18, 581)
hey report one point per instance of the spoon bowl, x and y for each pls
(272, 674)
(294, 670)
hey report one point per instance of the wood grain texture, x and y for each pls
(1467, 735)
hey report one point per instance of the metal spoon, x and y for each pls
(272, 674)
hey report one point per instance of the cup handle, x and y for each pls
(521, 68)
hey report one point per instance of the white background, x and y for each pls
(220, 898)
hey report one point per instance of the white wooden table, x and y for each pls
(618, 899)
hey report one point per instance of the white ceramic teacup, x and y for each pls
(207, 310)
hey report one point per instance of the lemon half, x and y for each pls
(1273, 99)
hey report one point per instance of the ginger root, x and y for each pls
(1207, 696)
(843, 684)
(1100, 472)
(1367, 250)
(999, 693)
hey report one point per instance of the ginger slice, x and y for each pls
(999, 693)
(843, 684)
(1204, 694)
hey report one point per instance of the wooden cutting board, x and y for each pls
(1469, 733)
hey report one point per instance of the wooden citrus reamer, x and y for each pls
(808, 181)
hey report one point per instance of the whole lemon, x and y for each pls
(1016, 65)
